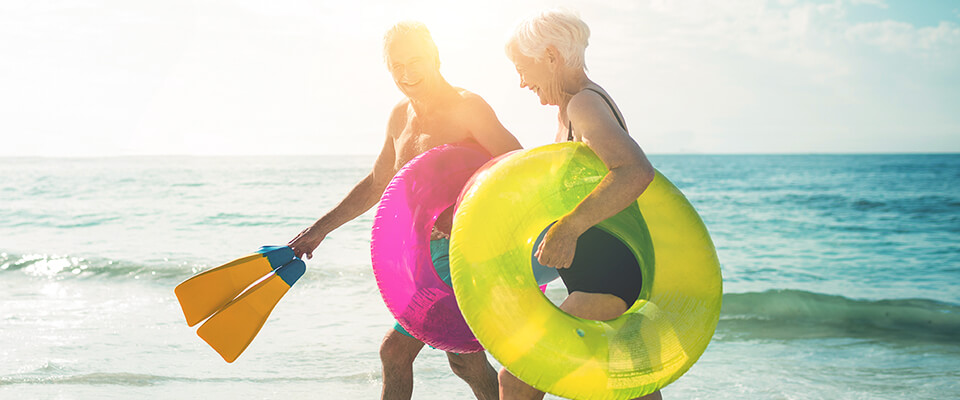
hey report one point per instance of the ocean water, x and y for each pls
(841, 278)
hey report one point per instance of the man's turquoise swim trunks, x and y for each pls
(440, 253)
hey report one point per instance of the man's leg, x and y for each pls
(477, 372)
(473, 367)
(397, 353)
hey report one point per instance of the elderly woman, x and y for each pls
(601, 274)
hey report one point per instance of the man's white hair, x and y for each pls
(413, 30)
(562, 29)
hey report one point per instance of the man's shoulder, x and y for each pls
(399, 117)
(468, 96)
(401, 107)
(471, 102)
(401, 111)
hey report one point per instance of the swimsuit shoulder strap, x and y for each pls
(612, 108)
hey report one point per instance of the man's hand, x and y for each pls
(306, 242)
(443, 225)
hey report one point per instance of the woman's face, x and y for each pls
(539, 76)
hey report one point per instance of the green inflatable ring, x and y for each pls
(651, 345)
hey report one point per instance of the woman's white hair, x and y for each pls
(562, 29)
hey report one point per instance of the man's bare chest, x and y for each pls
(418, 137)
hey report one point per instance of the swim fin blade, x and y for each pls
(231, 329)
(205, 293)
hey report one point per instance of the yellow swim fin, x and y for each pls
(234, 326)
(205, 293)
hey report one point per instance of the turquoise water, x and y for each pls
(841, 274)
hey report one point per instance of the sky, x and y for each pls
(87, 78)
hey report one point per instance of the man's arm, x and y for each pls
(361, 198)
(486, 128)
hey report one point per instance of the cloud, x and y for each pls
(888, 35)
(877, 3)
(790, 33)
(894, 36)
(945, 35)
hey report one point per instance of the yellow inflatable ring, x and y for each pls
(651, 345)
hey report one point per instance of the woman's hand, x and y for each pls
(306, 242)
(559, 245)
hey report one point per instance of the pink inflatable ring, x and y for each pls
(400, 246)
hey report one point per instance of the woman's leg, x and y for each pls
(596, 306)
(579, 304)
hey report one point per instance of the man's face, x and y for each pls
(413, 67)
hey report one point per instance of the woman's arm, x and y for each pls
(630, 174)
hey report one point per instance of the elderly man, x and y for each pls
(433, 113)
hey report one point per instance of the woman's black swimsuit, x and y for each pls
(602, 263)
